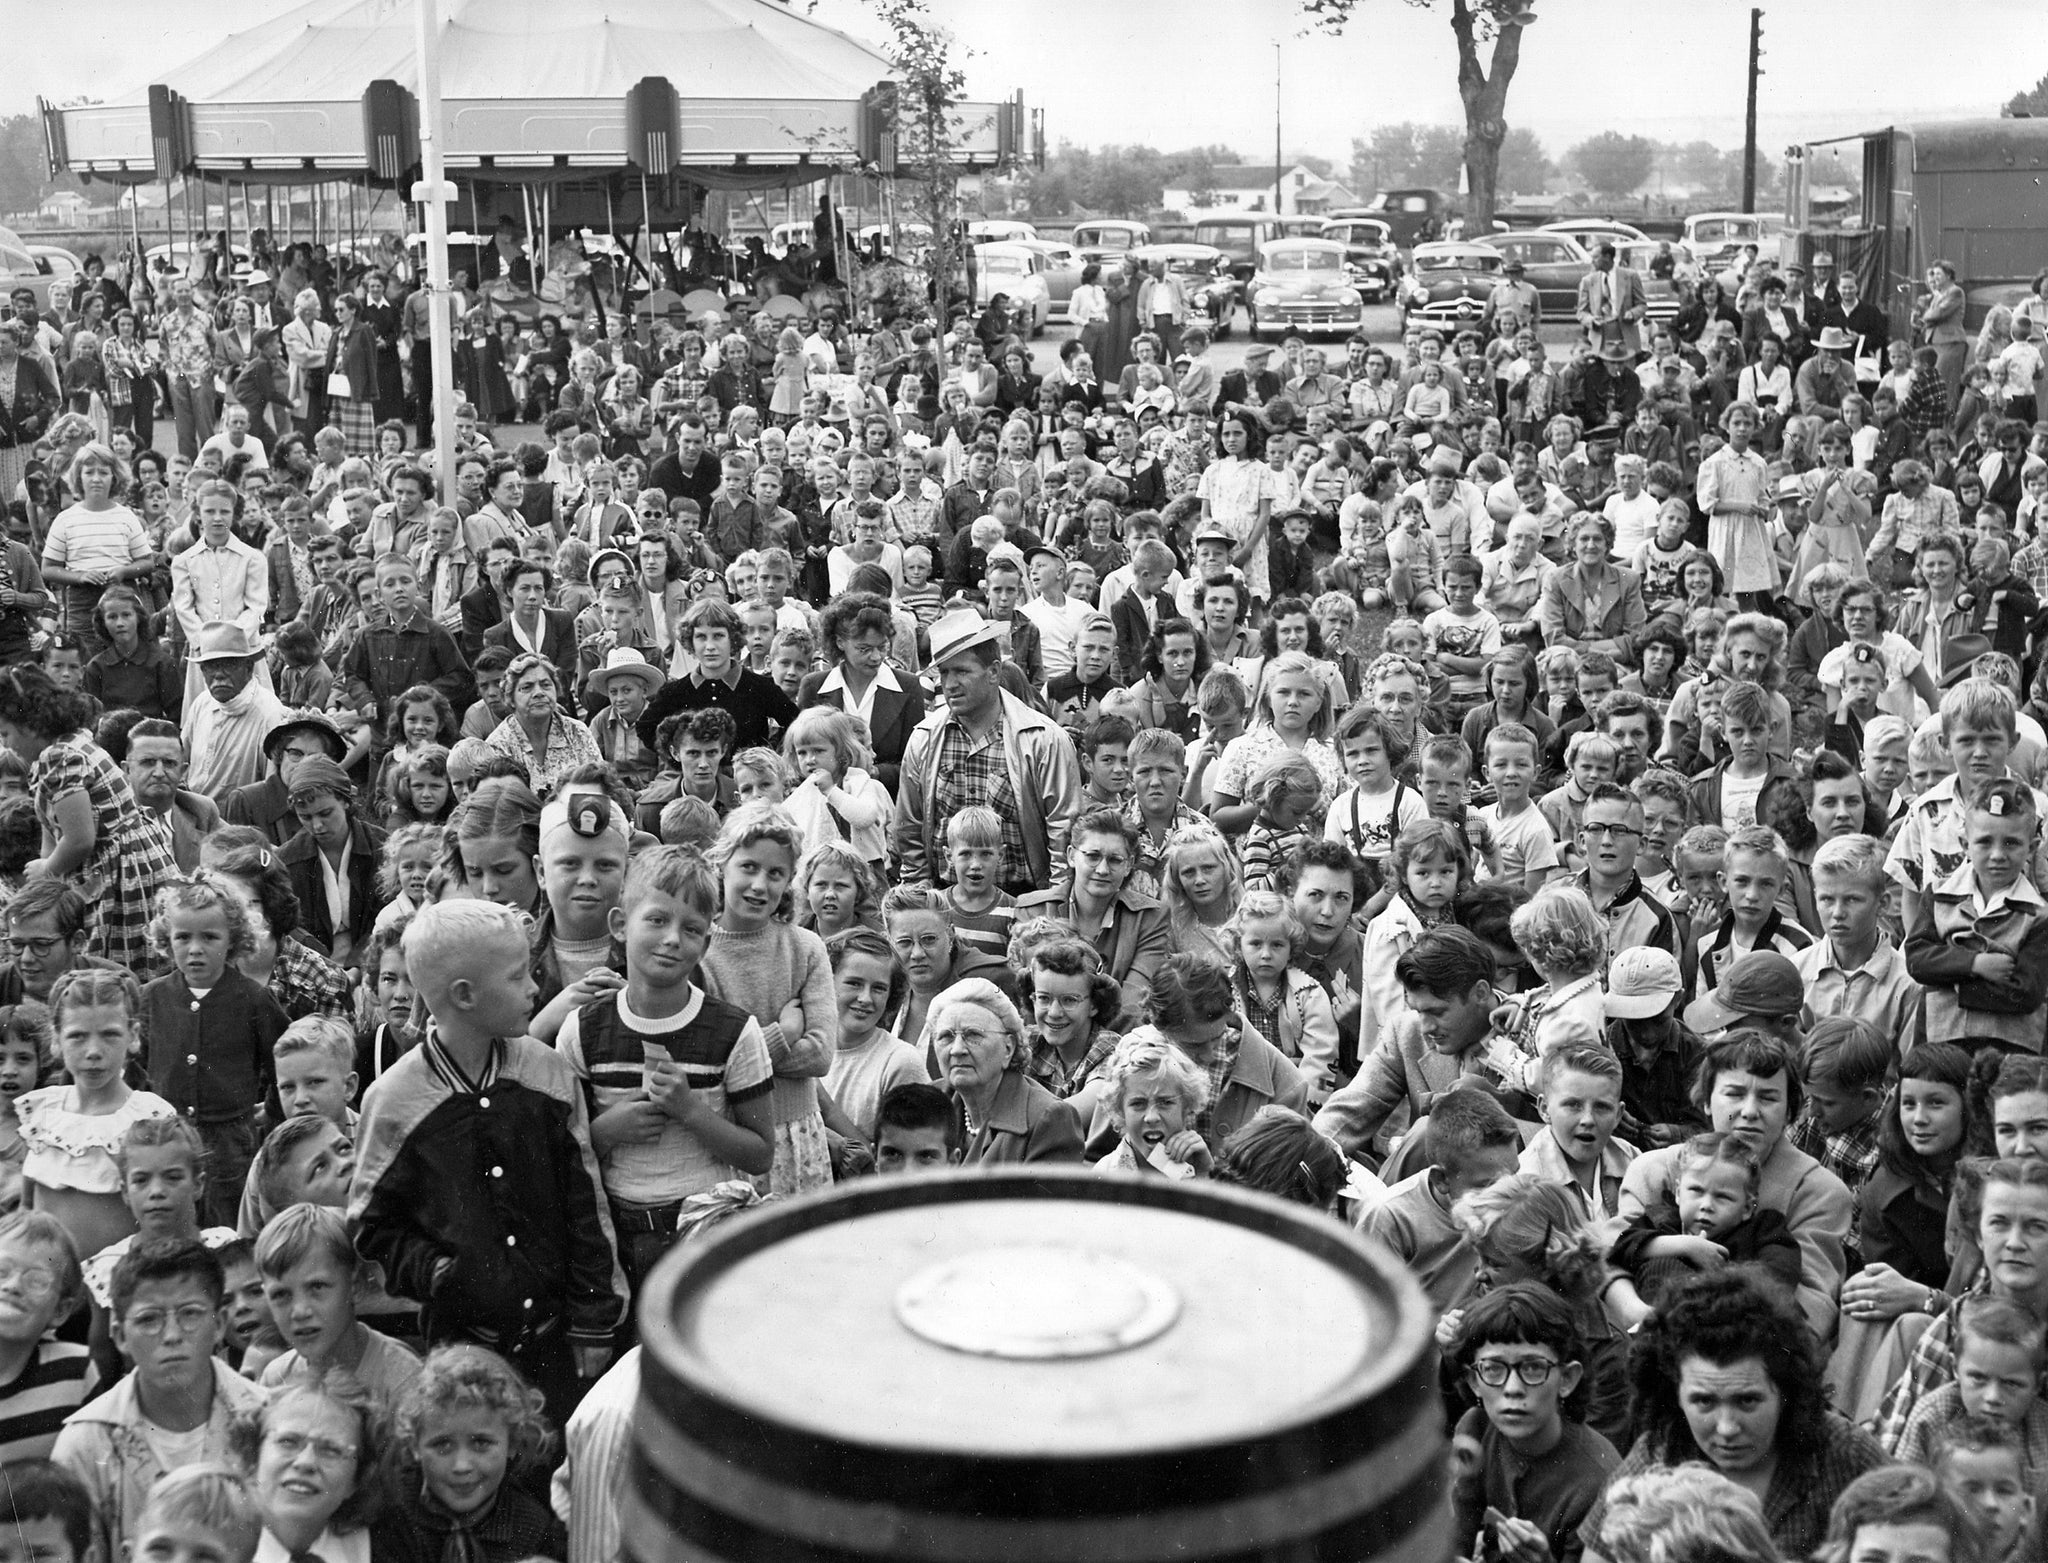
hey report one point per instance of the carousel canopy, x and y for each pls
(725, 92)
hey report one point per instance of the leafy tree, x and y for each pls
(929, 130)
(1407, 154)
(1125, 181)
(1525, 169)
(1482, 87)
(2033, 101)
(1614, 164)
(1321, 167)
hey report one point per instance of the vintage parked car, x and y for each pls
(1211, 290)
(1552, 263)
(1661, 293)
(1590, 231)
(1062, 271)
(1718, 237)
(1369, 251)
(999, 230)
(1109, 237)
(1018, 271)
(1303, 285)
(1448, 283)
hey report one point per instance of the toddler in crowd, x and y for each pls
(1279, 1000)
(1711, 1219)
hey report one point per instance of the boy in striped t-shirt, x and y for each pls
(42, 1379)
(677, 1082)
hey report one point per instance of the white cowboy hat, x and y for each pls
(623, 662)
(958, 631)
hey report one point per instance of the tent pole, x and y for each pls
(433, 192)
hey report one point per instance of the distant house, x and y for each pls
(62, 206)
(1245, 188)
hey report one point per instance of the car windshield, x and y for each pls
(1192, 266)
(1715, 230)
(1456, 260)
(1303, 259)
(1004, 265)
(1110, 239)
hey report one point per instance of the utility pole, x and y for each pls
(1279, 175)
(1756, 69)
(434, 192)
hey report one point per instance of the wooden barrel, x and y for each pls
(1036, 1367)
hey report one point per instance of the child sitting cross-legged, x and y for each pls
(1279, 1000)
(1984, 1462)
(1978, 941)
(1155, 1091)
(313, 1282)
(1528, 1469)
(1998, 1361)
(1579, 1096)
(1712, 1219)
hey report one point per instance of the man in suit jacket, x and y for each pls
(533, 626)
(1252, 386)
(1612, 302)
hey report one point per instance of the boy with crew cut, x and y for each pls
(1579, 1097)
(1522, 837)
(1471, 1143)
(175, 1409)
(1754, 866)
(313, 1285)
(457, 1135)
(205, 1513)
(1979, 726)
(1852, 968)
(315, 1060)
(1610, 835)
(677, 1082)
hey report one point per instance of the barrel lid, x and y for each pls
(1034, 1314)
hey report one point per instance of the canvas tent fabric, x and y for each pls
(327, 50)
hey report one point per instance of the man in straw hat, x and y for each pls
(983, 746)
(1825, 380)
(227, 721)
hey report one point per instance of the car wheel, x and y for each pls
(1257, 335)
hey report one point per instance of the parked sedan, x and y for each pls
(1109, 237)
(1062, 272)
(1019, 272)
(1302, 285)
(1448, 283)
(1370, 253)
(1660, 294)
(1552, 263)
(1204, 275)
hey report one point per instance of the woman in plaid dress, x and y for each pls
(94, 835)
(353, 353)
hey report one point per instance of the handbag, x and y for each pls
(338, 387)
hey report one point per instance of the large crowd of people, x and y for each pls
(1575, 821)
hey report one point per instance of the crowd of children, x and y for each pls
(1603, 865)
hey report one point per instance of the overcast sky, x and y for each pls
(1175, 73)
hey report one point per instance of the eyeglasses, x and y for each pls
(1102, 859)
(151, 1321)
(1493, 1372)
(36, 1283)
(1592, 828)
(39, 948)
(325, 1450)
(969, 1038)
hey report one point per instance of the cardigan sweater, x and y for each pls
(210, 1058)
(762, 971)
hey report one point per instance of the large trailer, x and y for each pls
(1974, 192)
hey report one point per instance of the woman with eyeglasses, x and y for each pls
(1008, 1117)
(316, 1455)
